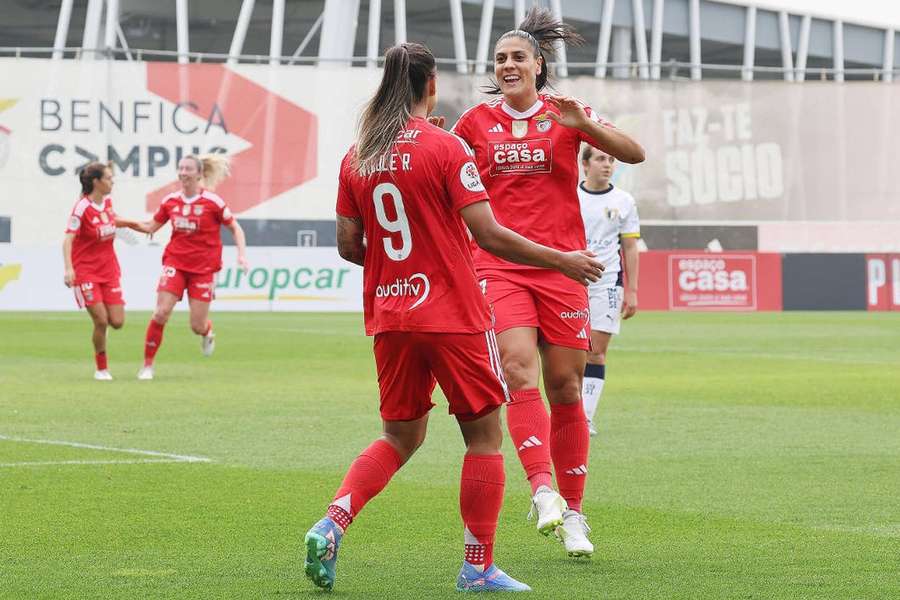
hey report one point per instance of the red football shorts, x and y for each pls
(548, 300)
(89, 293)
(466, 365)
(199, 286)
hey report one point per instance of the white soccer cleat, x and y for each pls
(591, 429)
(102, 375)
(573, 534)
(549, 507)
(208, 343)
(146, 373)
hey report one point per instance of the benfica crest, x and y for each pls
(519, 129)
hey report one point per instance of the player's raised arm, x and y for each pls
(505, 243)
(613, 141)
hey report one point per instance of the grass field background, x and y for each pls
(739, 456)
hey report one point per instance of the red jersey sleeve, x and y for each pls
(463, 126)
(74, 223)
(225, 215)
(346, 206)
(161, 215)
(461, 178)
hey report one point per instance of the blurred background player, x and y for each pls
(526, 145)
(91, 266)
(610, 224)
(193, 255)
(403, 188)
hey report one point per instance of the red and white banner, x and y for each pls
(709, 281)
(883, 281)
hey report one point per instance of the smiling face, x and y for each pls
(189, 173)
(516, 68)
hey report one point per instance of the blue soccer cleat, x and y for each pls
(322, 543)
(471, 579)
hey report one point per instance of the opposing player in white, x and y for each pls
(610, 224)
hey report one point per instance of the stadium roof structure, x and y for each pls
(793, 40)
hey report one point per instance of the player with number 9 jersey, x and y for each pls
(418, 274)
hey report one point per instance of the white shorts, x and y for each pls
(606, 308)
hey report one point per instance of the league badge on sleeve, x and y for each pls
(74, 223)
(470, 178)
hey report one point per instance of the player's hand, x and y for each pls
(242, 263)
(571, 112)
(629, 304)
(69, 277)
(437, 121)
(581, 266)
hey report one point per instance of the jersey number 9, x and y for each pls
(399, 225)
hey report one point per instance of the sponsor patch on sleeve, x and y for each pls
(470, 178)
(226, 214)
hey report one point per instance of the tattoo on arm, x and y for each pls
(350, 240)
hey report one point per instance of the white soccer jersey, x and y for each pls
(608, 216)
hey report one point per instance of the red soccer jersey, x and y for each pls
(418, 273)
(196, 244)
(93, 256)
(529, 165)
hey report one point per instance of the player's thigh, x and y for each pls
(606, 308)
(405, 382)
(467, 367)
(563, 370)
(98, 314)
(562, 306)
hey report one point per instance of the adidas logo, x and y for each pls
(582, 335)
(581, 470)
(531, 442)
(498, 128)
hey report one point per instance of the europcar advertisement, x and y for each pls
(289, 279)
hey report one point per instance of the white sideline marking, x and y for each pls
(91, 462)
(161, 457)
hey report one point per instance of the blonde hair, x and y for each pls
(214, 168)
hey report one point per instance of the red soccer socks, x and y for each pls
(369, 473)
(569, 444)
(100, 360)
(529, 428)
(152, 341)
(480, 499)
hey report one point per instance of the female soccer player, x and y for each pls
(611, 224)
(92, 268)
(194, 253)
(526, 145)
(405, 189)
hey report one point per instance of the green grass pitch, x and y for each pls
(739, 456)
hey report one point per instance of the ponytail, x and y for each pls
(407, 69)
(214, 168)
(542, 31)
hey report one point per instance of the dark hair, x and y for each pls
(586, 153)
(542, 31)
(407, 69)
(90, 173)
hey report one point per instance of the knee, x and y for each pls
(161, 315)
(198, 327)
(117, 323)
(101, 322)
(519, 372)
(596, 358)
(406, 444)
(564, 389)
